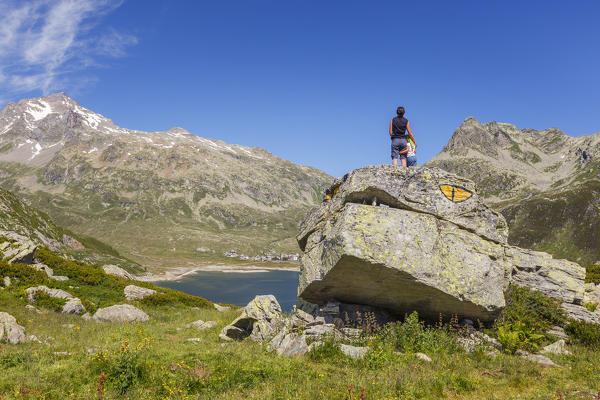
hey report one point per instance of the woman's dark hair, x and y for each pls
(400, 111)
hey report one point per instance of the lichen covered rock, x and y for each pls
(260, 320)
(419, 239)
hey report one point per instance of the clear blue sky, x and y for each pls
(315, 82)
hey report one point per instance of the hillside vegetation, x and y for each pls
(84, 359)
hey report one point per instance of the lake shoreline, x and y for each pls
(179, 273)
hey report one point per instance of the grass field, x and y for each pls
(81, 359)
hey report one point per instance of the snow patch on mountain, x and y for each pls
(39, 109)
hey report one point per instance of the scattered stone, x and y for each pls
(321, 331)
(260, 320)
(92, 351)
(32, 308)
(115, 270)
(68, 326)
(580, 313)
(194, 339)
(43, 268)
(351, 333)
(558, 347)
(476, 338)
(72, 242)
(120, 313)
(423, 357)
(57, 293)
(59, 278)
(17, 249)
(7, 281)
(73, 306)
(537, 358)
(301, 319)
(201, 325)
(221, 308)
(33, 338)
(87, 316)
(133, 292)
(10, 331)
(558, 332)
(64, 353)
(353, 351)
(292, 345)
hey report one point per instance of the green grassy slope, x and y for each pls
(87, 360)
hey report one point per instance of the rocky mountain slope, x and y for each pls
(157, 194)
(544, 182)
(21, 224)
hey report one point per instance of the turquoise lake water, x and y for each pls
(240, 288)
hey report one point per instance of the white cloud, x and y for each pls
(46, 45)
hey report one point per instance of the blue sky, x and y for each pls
(315, 82)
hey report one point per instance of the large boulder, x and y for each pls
(120, 313)
(260, 320)
(419, 239)
(10, 331)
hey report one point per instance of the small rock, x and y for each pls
(92, 351)
(301, 319)
(115, 270)
(194, 339)
(351, 333)
(64, 353)
(292, 345)
(580, 313)
(221, 308)
(260, 320)
(73, 306)
(558, 347)
(57, 293)
(133, 292)
(537, 358)
(120, 313)
(87, 316)
(32, 308)
(201, 325)
(43, 268)
(33, 338)
(7, 281)
(423, 357)
(558, 332)
(353, 351)
(320, 331)
(59, 278)
(68, 326)
(10, 331)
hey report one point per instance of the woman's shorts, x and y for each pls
(411, 161)
(398, 145)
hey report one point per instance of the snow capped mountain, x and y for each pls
(93, 176)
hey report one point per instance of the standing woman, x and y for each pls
(398, 128)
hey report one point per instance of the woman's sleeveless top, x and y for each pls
(399, 127)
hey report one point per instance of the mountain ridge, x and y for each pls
(525, 173)
(175, 189)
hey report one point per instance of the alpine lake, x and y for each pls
(239, 288)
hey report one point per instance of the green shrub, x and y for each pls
(76, 270)
(587, 333)
(516, 336)
(413, 336)
(46, 301)
(170, 297)
(533, 309)
(329, 350)
(23, 275)
(125, 367)
(592, 274)
(591, 306)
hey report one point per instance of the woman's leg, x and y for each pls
(395, 161)
(403, 160)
